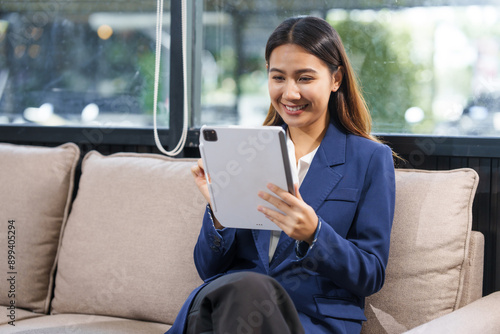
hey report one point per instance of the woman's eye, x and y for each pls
(306, 79)
(278, 78)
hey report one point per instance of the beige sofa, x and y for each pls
(118, 259)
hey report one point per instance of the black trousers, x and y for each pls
(243, 303)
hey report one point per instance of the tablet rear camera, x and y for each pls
(210, 135)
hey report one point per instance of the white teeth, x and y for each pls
(295, 108)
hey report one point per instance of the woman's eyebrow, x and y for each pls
(304, 70)
(274, 69)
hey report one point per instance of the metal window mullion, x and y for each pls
(176, 90)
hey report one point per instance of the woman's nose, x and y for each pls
(291, 91)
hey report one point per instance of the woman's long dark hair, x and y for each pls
(347, 105)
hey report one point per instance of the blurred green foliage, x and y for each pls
(385, 71)
(382, 59)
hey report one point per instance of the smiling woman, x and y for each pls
(342, 205)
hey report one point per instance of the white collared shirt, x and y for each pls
(299, 170)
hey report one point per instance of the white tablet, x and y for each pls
(239, 162)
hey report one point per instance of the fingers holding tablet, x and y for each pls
(294, 216)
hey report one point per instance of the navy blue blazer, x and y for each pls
(350, 184)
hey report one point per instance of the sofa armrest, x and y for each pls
(473, 267)
(481, 316)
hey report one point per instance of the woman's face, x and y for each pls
(299, 86)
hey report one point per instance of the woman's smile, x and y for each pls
(294, 110)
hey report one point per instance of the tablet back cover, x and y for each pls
(239, 162)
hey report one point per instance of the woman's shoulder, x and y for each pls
(353, 147)
(365, 152)
(366, 144)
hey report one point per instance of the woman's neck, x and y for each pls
(306, 140)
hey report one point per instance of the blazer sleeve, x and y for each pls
(357, 263)
(215, 249)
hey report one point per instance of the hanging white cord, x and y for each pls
(159, 30)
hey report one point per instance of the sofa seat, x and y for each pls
(83, 324)
(21, 314)
(466, 319)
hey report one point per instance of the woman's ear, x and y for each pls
(337, 79)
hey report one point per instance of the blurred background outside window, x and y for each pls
(425, 67)
(81, 63)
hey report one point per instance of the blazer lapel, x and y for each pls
(320, 179)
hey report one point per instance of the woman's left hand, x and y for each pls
(298, 220)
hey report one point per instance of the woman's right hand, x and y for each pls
(199, 177)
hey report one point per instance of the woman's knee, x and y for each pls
(255, 284)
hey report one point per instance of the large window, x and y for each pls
(429, 69)
(80, 63)
(425, 68)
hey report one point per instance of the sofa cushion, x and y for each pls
(20, 314)
(83, 324)
(37, 186)
(429, 244)
(127, 249)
